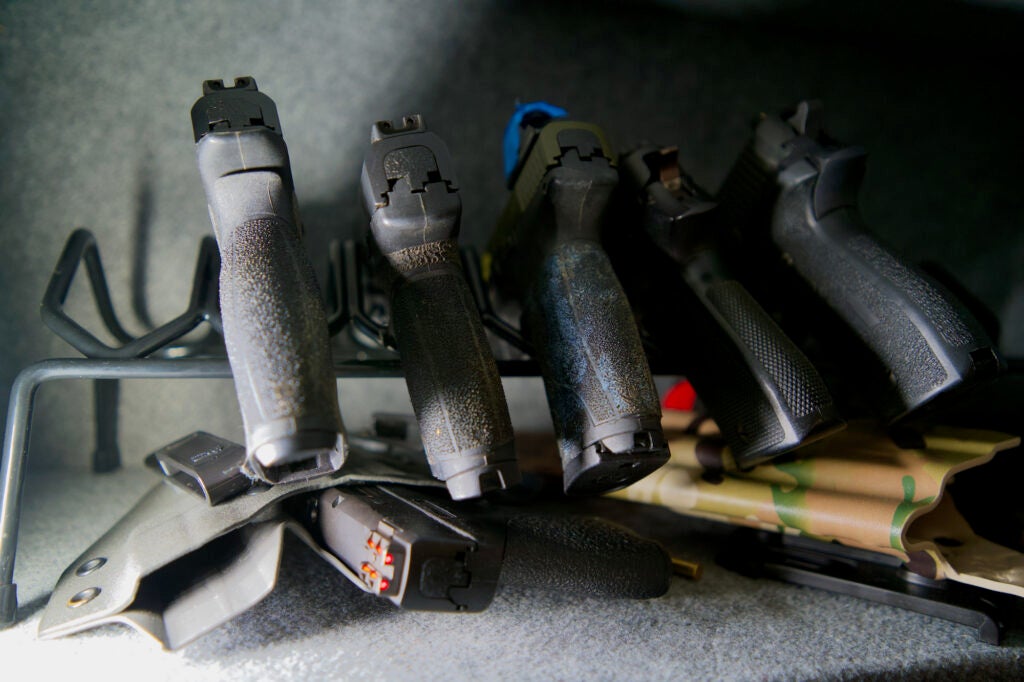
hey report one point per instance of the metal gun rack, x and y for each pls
(353, 311)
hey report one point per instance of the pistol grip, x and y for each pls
(276, 335)
(926, 339)
(452, 377)
(411, 193)
(274, 323)
(603, 400)
(585, 556)
(762, 391)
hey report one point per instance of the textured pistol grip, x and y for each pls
(584, 556)
(925, 338)
(763, 392)
(276, 335)
(602, 397)
(452, 377)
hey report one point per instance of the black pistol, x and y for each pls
(422, 552)
(763, 392)
(546, 255)
(793, 192)
(411, 193)
(275, 327)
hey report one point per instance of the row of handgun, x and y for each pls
(773, 298)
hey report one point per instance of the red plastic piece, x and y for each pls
(680, 397)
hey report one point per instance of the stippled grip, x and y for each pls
(276, 334)
(411, 193)
(585, 556)
(275, 327)
(602, 397)
(452, 377)
(926, 339)
(761, 389)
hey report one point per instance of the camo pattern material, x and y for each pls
(858, 488)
